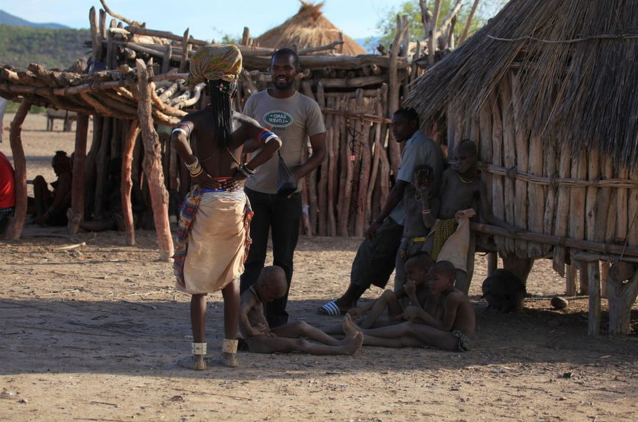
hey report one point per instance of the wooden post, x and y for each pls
(622, 296)
(562, 209)
(79, 166)
(570, 280)
(492, 262)
(604, 274)
(433, 36)
(594, 297)
(152, 164)
(394, 86)
(183, 65)
(127, 181)
(14, 229)
(498, 207)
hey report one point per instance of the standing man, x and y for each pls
(293, 117)
(212, 234)
(376, 256)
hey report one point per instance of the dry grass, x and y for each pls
(308, 28)
(577, 67)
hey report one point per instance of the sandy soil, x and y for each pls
(93, 334)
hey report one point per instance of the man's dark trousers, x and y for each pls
(283, 215)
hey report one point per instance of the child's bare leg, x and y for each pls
(403, 340)
(265, 344)
(425, 334)
(388, 299)
(198, 326)
(303, 329)
(231, 321)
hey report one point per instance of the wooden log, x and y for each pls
(583, 280)
(347, 166)
(91, 166)
(394, 87)
(577, 197)
(492, 263)
(509, 157)
(322, 188)
(605, 266)
(551, 191)
(571, 274)
(152, 165)
(183, 64)
(622, 195)
(384, 171)
(622, 290)
(632, 235)
(16, 223)
(485, 144)
(102, 28)
(331, 229)
(561, 226)
(166, 60)
(498, 207)
(377, 149)
(79, 161)
(434, 34)
(361, 222)
(593, 326)
(101, 168)
(568, 242)
(96, 44)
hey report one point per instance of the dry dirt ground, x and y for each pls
(93, 334)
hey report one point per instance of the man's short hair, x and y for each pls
(287, 52)
(408, 113)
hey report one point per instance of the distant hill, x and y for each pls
(52, 48)
(9, 19)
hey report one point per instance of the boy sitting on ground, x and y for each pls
(415, 289)
(260, 338)
(447, 320)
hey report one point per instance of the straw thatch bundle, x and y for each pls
(577, 69)
(308, 28)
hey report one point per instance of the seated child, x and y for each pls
(420, 215)
(260, 338)
(415, 289)
(446, 321)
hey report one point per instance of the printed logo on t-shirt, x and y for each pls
(278, 119)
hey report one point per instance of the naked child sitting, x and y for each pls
(415, 290)
(447, 320)
(260, 338)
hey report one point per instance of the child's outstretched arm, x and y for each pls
(488, 216)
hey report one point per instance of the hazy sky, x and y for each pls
(207, 19)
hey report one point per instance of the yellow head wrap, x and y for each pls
(212, 62)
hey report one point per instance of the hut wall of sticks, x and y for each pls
(134, 87)
(548, 91)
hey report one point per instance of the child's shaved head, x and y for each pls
(421, 262)
(444, 268)
(468, 146)
(273, 278)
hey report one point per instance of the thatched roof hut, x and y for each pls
(549, 91)
(309, 28)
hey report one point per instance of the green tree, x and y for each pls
(387, 26)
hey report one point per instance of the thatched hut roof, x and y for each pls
(308, 28)
(577, 68)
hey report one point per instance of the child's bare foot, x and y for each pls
(349, 327)
(355, 344)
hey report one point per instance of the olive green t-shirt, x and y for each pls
(293, 119)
